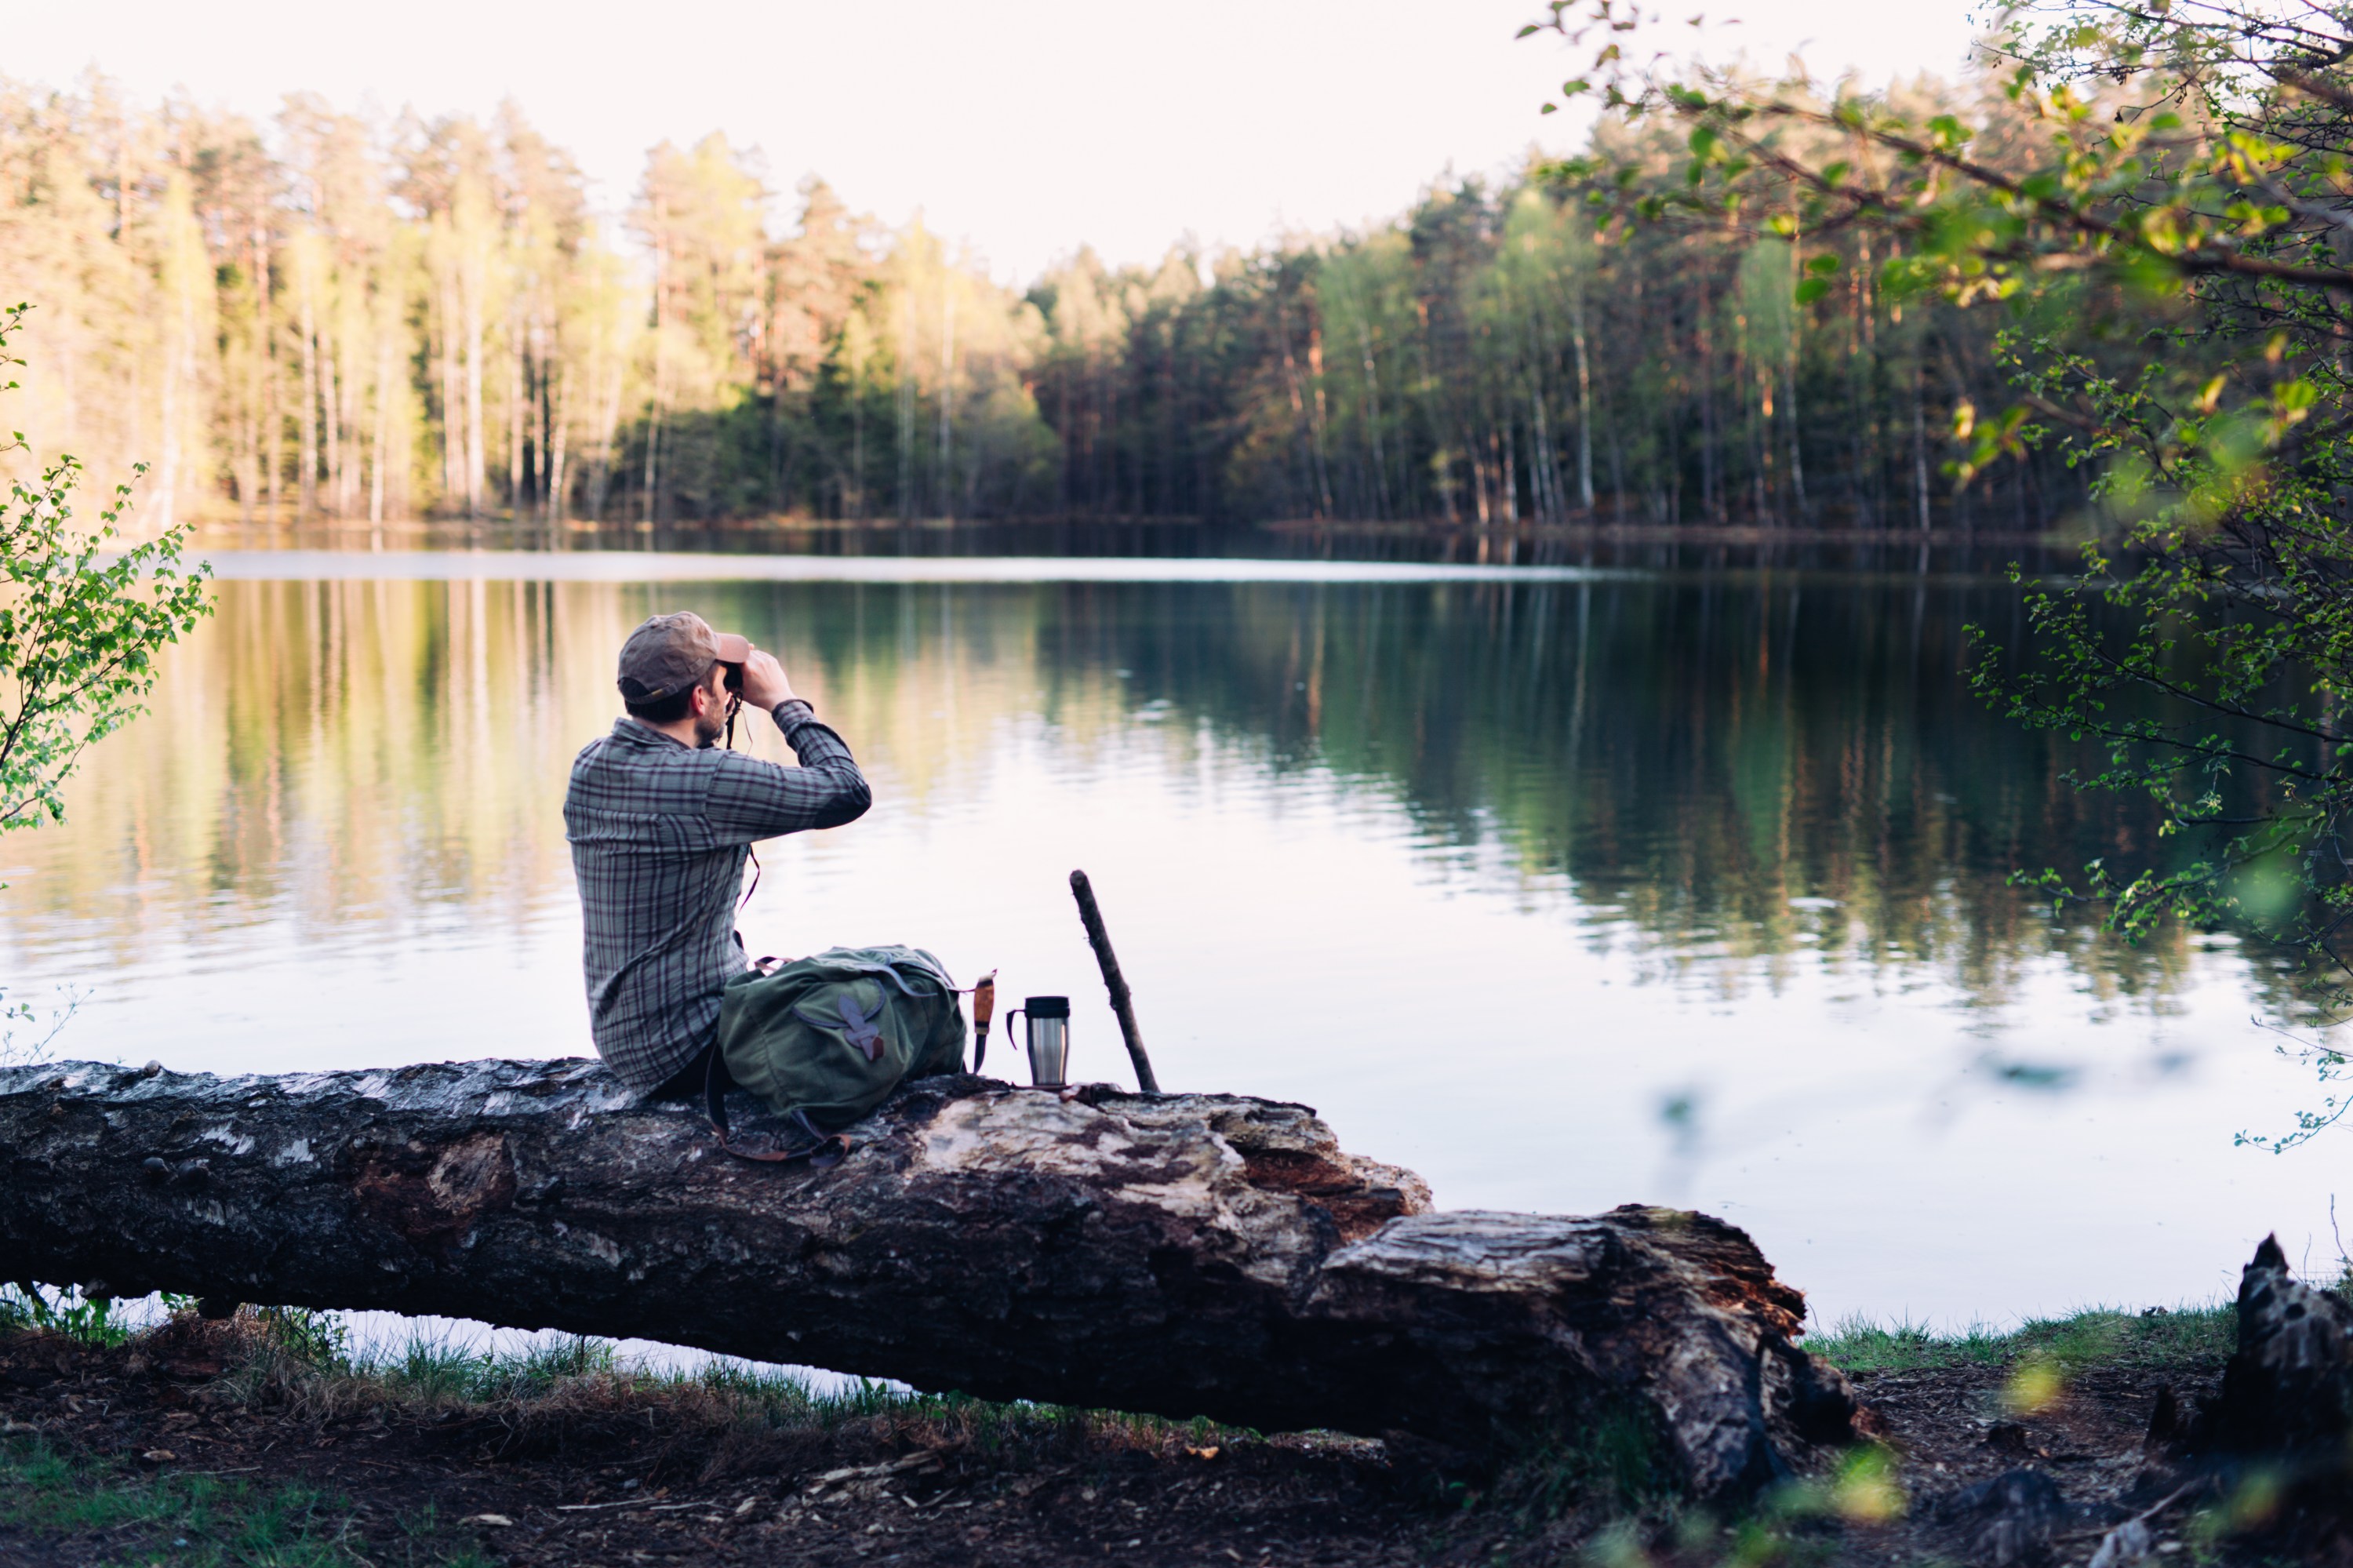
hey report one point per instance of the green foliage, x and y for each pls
(433, 1367)
(81, 620)
(313, 1337)
(199, 1521)
(2178, 176)
(1859, 1345)
(79, 632)
(25, 1305)
(1616, 1463)
(478, 350)
(15, 1014)
(2098, 1336)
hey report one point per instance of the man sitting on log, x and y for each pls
(661, 819)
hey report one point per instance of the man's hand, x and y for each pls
(764, 685)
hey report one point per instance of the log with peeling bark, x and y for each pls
(1184, 1255)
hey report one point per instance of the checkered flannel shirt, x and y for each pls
(659, 830)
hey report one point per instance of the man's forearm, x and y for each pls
(814, 742)
(823, 755)
(757, 798)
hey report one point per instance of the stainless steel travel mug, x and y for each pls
(1048, 1021)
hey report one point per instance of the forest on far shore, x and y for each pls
(327, 317)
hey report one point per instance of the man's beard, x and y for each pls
(710, 726)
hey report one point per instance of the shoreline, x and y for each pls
(260, 1435)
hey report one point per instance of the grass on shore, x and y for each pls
(194, 1521)
(2098, 1336)
(286, 1351)
(301, 1363)
(296, 1368)
(281, 1353)
(298, 1362)
(291, 1365)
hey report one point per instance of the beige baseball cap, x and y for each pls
(667, 654)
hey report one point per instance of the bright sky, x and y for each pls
(1022, 127)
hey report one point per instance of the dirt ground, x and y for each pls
(609, 1474)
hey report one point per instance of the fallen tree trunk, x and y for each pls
(1182, 1255)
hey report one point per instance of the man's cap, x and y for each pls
(669, 653)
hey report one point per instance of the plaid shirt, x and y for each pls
(659, 831)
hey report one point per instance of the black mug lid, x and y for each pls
(1047, 1006)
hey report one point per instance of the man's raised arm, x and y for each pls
(760, 800)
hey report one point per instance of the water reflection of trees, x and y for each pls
(1692, 756)
(1688, 756)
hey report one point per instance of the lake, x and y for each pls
(1565, 887)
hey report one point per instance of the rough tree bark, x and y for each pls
(1184, 1255)
(2289, 1385)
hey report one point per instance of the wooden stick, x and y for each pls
(1123, 1001)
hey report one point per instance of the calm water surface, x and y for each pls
(1567, 890)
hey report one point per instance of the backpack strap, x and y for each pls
(823, 1151)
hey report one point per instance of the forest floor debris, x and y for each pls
(258, 1440)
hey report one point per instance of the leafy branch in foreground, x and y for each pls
(79, 628)
(2161, 201)
(81, 621)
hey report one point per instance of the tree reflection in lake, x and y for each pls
(1692, 756)
(1568, 892)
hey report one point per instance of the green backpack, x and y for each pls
(824, 1040)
